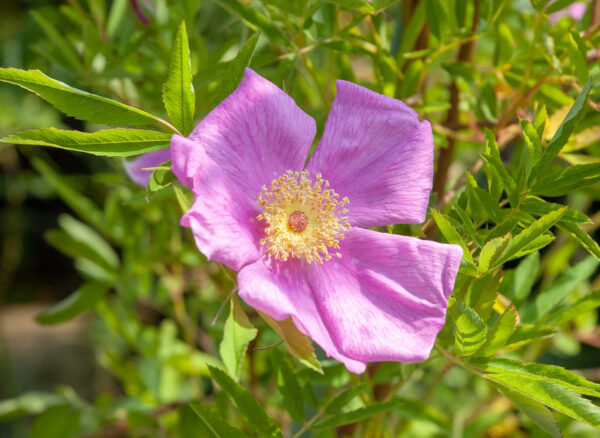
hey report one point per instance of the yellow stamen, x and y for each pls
(303, 218)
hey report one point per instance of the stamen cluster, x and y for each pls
(303, 218)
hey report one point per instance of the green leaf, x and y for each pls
(110, 142)
(83, 206)
(161, 178)
(503, 50)
(517, 284)
(342, 399)
(452, 236)
(77, 103)
(529, 235)
(297, 343)
(237, 334)
(257, 21)
(65, 50)
(525, 334)
(578, 53)
(411, 409)
(78, 302)
(493, 160)
(178, 92)
(539, 119)
(584, 239)
(586, 304)
(536, 371)
(246, 404)
(539, 207)
(437, 18)
(217, 425)
(568, 180)
(565, 130)
(289, 388)
(500, 332)
(358, 5)
(77, 249)
(559, 290)
(470, 329)
(28, 403)
(538, 413)
(492, 252)
(533, 144)
(56, 422)
(233, 71)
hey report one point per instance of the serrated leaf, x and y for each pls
(77, 103)
(237, 335)
(538, 413)
(525, 333)
(536, 371)
(533, 144)
(582, 237)
(539, 207)
(492, 252)
(217, 425)
(470, 329)
(78, 302)
(510, 186)
(500, 332)
(565, 130)
(110, 142)
(252, 411)
(525, 276)
(568, 180)
(289, 388)
(451, 235)
(178, 92)
(297, 343)
(527, 236)
(559, 290)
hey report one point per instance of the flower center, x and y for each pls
(298, 221)
(303, 217)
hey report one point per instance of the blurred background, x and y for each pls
(146, 346)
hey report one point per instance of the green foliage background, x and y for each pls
(512, 95)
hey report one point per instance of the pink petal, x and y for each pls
(222, 218)
(254, 135)
(280, 290)
(386, 298)
(151, 159)
(375, 151)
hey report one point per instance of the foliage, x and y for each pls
(512, 96)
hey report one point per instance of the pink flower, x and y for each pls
(151, 159)
(297, 234)
(575, 10)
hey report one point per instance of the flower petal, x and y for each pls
(255, 135)
(386, 298)
(280, 289)
(375, 151)
(151, 159)
(222, 218)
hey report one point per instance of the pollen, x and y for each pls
(304, 217)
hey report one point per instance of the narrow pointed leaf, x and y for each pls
(178, 92)
(252, 411)
(289, 388)
(217, 425)
(74, 102)
(500, 332)
(470, 329)
(78, 302)
(582, 237)
(110, 142)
